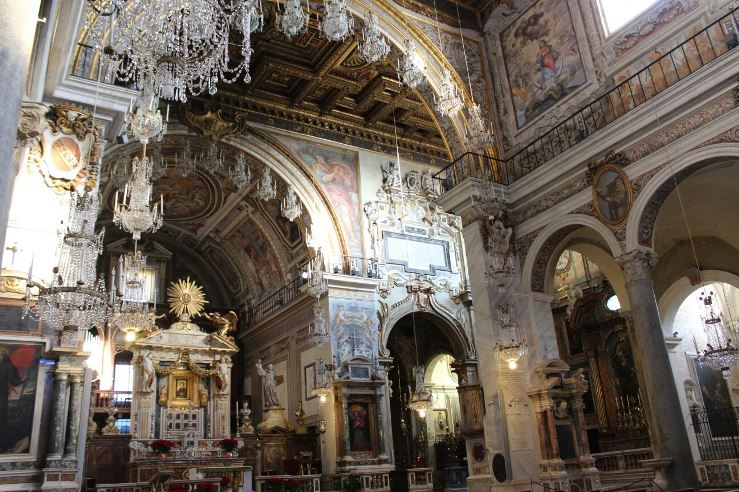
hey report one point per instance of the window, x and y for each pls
(617, 13)
(123, 377)
(613, 304)
(123, 425)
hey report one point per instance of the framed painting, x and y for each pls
(361, 427)
(182, 388)
(20, 395)
(542, 59)
(613, 195)
(309, 372)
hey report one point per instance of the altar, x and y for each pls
(180, 410)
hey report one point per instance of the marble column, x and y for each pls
(58, 415)
(17, 30)
(73, 415)
(669, 435)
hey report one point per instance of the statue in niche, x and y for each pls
(390, 176)
(163, 394)
(203, 395)
(147, 367)
(270, 383)
(225, 325)
(427, 185)
(223, 368)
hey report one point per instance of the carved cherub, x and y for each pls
(225, 324)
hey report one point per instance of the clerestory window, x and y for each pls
(615, 14)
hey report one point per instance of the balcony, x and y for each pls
(707, 45)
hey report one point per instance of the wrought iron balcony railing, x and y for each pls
(717, 433)
(705, 46)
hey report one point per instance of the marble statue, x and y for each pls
(269, 385)
(149, 373)
(224, 372)
(390, 176)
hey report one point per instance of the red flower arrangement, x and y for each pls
(230, 445)
(206, 487)
(279, 484)
(177, 488)
(161, 446)
(225, 481)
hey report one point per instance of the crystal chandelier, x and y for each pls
(292, 19)
(76, 298)
(324, 380)
(134, 213)
(511, 345)
(267, 189)
(181, 46)
(319, 333)
(448, 103)
(129, 300)
(720, 353)
(158, 164)
(240, 174)
(317, 284)
(480, 135)
(337, 22)
(421, 399)
(373, 47)
(411, 66)
(213, 160)
(146, 123)
(291, 207)
(119, 174)
(189, 161)
(255, 20)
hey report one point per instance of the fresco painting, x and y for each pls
(337, 171)
(262, 264)
(542, 59)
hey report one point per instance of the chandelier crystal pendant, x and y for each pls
(511, 345)
(324, 380)
(480, 135)
(411, 66)
(319, 333)
(75, 298)
(181, 46)
(720, 353)
(129, 301)
(213, 160)
(292, 20)
(134, 213)
(373, 47)
(421, 399)
(158, 164)
(448, 103)
(189, 161)
(240, 174)
(291, 207)
(338, 23)
(267, 189)
(146, 123)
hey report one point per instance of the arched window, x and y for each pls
(617, 13)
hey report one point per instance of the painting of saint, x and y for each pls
(542, 59)
(18, 373)
(181, 389)
(337, 171)
(359, 427)
(612, 195)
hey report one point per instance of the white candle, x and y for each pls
(161, 204)
(167, 112)
(116, 201)
(30, 269)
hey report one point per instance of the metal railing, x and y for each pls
(705, 46)
(717, 433)
(282, 297)
(353, 265)
(621, 461)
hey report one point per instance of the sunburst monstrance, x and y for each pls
(186, 299)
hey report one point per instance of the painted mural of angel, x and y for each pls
(225, 325)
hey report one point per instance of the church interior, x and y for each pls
(378, 245)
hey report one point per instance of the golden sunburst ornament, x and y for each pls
(186, 299)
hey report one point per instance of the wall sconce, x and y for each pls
(322, 426)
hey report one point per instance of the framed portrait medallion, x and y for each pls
(613, 195)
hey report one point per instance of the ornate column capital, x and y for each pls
(637, 265)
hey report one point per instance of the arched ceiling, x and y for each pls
(241, 242)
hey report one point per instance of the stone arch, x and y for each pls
(646, 207)
(540, 254)
(669, 303)
(455, 331)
